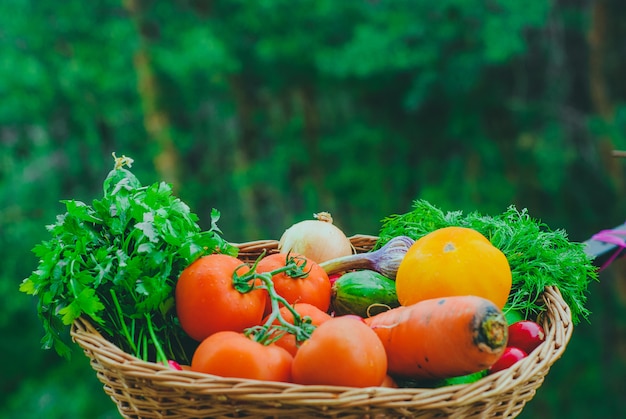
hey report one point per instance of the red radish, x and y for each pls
(509, 357)
(174, 365)
(333, 277)
(526, 335)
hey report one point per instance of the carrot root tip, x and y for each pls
(493, 332)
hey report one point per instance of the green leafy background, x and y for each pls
(272, 110)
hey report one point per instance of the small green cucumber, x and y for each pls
(463, 379)
(364, 293)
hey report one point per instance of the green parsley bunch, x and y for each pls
(116, 262)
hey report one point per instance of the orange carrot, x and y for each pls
(442, 337)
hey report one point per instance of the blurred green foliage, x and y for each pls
(272, 110)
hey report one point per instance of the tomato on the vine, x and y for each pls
(208, 302)
(288, 340)
(312, 287)
(342, 351)
(232, 354)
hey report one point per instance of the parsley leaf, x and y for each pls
(116, 261)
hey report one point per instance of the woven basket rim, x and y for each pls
(110, 360)
(85, 334)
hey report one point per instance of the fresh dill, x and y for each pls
(538, 256)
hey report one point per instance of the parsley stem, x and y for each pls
(155, 340)
(120, 313)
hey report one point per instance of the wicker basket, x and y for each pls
(149, 390)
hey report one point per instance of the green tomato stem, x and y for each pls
(269, 332)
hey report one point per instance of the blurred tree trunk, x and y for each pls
(604, 30)
(311, 138)
(156, 120)
(243, 154)
(599, 51)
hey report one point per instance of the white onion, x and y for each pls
(319, 239)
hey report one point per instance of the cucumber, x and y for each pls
(463, 379)
(364, 293)
(405, 382)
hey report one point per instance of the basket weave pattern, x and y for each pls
(149, 390)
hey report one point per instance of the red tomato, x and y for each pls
(342, 351)
(232, 354)
(207, 302)
(389, 382)
(314, 288)
(288, 340)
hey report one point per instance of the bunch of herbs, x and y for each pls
(538, 256)
(116, 262)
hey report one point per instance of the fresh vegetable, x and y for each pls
(364, 293)
(174, 365)
(333, 277)
(441, 338)
(389, 382)
(116, 261)
(208, 299)
(510, 356)
(407, 382)
(232, 354)
(526, 335)
(463, 379)
(453, 261)
(319, 239)
(385, 260)
(308, 283)
(538, 256)
(283, 318)
(513, 316)
(254, 351)
(307, 312)
(342, 351)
